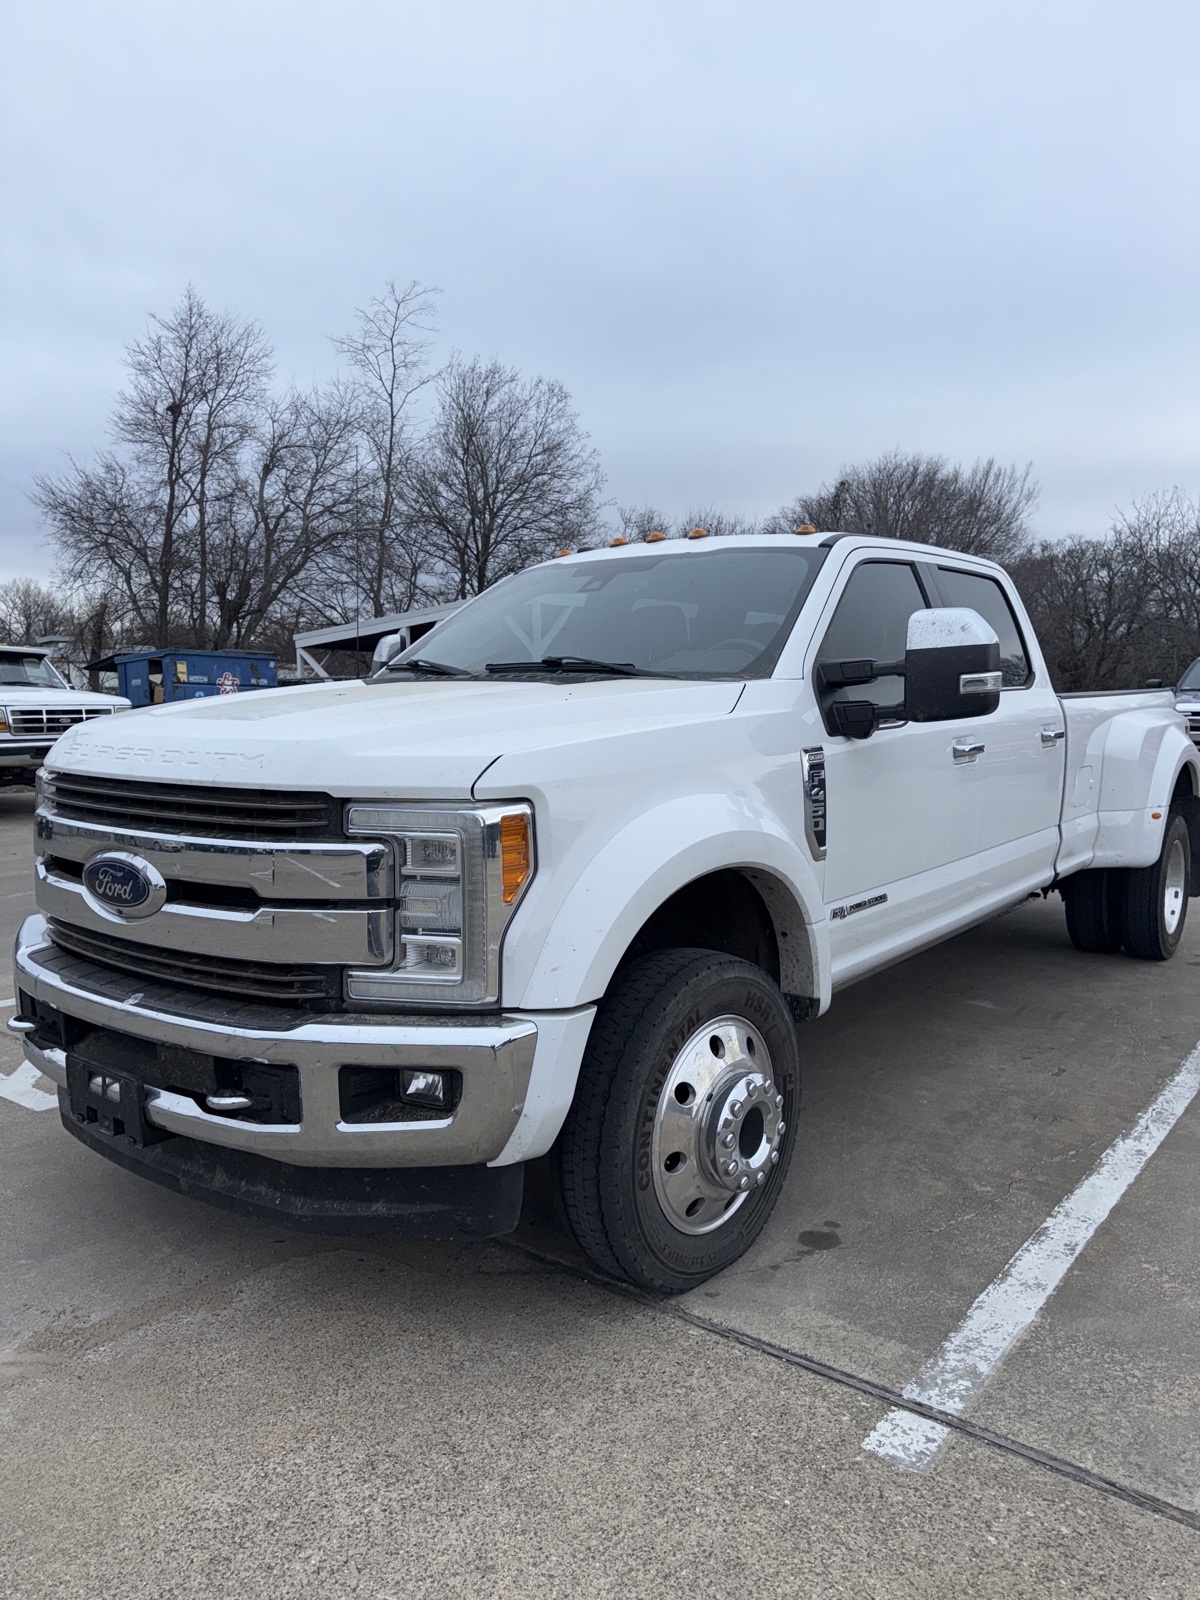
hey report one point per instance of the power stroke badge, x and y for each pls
(124, 885)
(840, 913)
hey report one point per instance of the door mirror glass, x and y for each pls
(951, 666)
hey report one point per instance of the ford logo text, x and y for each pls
(124, 884)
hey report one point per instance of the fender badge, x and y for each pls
(840, 913)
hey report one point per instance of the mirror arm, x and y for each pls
(850, 674)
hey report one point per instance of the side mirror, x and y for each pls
(389, 646)
(951, 666)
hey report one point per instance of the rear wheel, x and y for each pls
(1093, 902)
(677, 1144)
(1155, 898)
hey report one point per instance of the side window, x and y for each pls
(872, 620)
(987, 597)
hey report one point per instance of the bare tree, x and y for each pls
(983, 510)
(716, 523)
(30, 610)
(294, 500)
(503, 477)
(140, 522)
(637, 521)
(389, 353)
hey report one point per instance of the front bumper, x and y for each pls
(499, 1058)
(24, 753)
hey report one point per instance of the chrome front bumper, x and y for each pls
(494, 1054)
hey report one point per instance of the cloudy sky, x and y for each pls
(755, 240)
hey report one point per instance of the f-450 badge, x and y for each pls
(840, 913)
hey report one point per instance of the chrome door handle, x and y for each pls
(1051, 736)
(967, 749)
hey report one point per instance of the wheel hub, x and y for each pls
(718, 1127)
(1175, 886)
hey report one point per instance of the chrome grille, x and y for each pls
(189, 809)
(33, 722)
(318, 988)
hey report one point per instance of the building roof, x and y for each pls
(366, 632)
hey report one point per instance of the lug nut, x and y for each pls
(727, 1140)
(781, 1129)
(762, 1178)
(774, 1157)
(731, 1167)
(778, 1101)
(735, 1110)
(745, 1183)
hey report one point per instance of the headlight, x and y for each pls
(460, 874)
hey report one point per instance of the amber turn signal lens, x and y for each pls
(514, 854)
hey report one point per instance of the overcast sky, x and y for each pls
(754, 240)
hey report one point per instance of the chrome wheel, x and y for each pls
(1175, 886)
(718, 1126)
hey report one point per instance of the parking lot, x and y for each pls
(198, 1405)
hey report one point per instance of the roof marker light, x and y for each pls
(806, 527)
(698, 533)
(653, 538)
(612, 543)
(558, 554)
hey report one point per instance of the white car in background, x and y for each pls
(36, 706)
(1187, 699)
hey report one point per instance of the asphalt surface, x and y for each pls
(196, 1405)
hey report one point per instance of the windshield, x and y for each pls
(1191, 678)
(33, 672)
(699, 614)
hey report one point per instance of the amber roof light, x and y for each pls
(653, 538)
(698, 533)
(806, 527)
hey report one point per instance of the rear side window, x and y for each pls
(987, 597)
(871, 620)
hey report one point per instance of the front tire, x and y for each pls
(1155, 898)
(683, 1124)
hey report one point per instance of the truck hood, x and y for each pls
(29, 694)
(419, 740)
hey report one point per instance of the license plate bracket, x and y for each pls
(109, 1102)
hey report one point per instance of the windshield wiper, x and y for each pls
(435, 669)
(618, 669)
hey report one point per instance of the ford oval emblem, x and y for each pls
(124, 885)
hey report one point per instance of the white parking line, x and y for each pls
(21, 1088)
(955, 1375)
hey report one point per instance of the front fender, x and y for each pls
(1141, 764)
(570, 960)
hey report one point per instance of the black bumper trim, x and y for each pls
(475, 1202)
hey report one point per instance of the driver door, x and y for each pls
(902, 825)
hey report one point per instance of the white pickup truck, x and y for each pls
(36, 705)
(564, 878)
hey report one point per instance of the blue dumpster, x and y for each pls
(150, 677)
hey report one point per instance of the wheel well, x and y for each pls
(721, 911)
(1185, 801)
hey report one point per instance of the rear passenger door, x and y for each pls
(1018, 776)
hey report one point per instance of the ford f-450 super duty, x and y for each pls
(564, 877)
